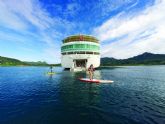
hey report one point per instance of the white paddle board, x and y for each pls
(95, 80)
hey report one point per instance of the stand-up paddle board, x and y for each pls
(95, 80)
(50, 73)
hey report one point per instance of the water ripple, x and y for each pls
(136, 97)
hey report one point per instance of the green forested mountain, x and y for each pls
(39, 63)
(5, 61)
(10, 61)
(143, 59)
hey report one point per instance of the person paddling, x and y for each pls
(51, 69)
(91, 71)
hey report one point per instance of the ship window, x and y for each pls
(76, 45)
(82, 45)
(63, 53)
(81, 52)
(88, 46)
(96, 47)
(79, 46)
(89, 52)
(96, 53)
(70, 52)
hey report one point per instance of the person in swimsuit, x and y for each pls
(91, 71)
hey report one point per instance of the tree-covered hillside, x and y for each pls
(143, 59)
(10, 61)
(5, 61)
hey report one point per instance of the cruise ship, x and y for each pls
(78, 52)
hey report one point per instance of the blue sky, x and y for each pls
(32, 30)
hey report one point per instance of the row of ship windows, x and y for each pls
(80, 52)
(80, 46)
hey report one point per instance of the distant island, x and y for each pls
(5, 61)
(143, 59)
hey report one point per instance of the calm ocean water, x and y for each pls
(28, 96)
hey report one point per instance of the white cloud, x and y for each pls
(30, 11)
(27, 20)
(9, 19)
(144, 31)
(134, 33)
(107, 6)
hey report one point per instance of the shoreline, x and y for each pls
(28, 66)
(116, 66)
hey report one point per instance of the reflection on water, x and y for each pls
(29, 96)
(78, 93)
